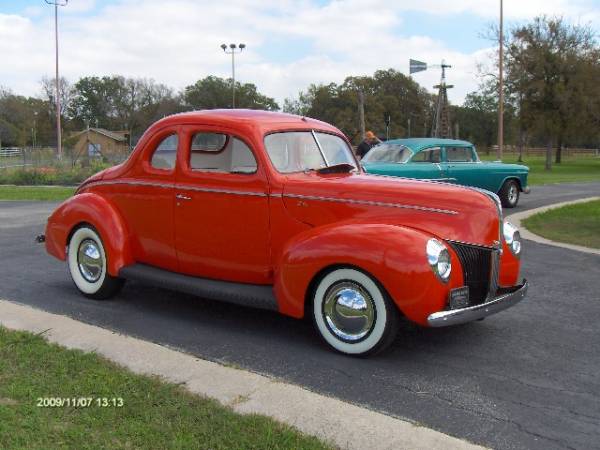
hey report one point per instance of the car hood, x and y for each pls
(447, 211)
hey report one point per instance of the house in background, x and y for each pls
(94, 143)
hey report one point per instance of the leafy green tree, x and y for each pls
(387, 93)
(547, 69)
(214, 92)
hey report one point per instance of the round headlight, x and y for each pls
(512, 238)
(439, 259)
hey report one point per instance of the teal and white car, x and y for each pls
(447, 160)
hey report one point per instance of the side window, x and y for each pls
(459, 154)
(216, 152)
(430, 155)
(165, 154)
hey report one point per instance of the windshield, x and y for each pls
(394, 153)
(298, 151)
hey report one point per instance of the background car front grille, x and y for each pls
(478, 264)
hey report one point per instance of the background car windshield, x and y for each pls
(297, 151)
(388, 153)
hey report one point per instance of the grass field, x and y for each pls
(153, 414)
(580, 169)
(574, 224)
(55, 193)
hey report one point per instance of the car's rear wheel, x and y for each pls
(87, 263)
(509, 194)
(353, 314)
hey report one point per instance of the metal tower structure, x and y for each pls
(441, 123)
(441, 126)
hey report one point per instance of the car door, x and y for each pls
(425, 164)
(461, 165)
(222, 209)
(145, 198)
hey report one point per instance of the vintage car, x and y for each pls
(447, 160)
(273, 210)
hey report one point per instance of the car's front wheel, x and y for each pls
(87, 263)
(509, 194)
(353, 314)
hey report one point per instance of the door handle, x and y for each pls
(182, 197)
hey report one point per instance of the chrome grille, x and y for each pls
(495, 263)
(480, 270)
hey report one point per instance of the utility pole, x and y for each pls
(56, 4)
(233, 49)
(501, 84)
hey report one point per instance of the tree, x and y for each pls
(386, 93)
(214, 92)
(547, 64)
(119, 103)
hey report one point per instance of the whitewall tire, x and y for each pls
(88, 263)
(353, 314)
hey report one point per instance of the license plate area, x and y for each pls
(459, 298)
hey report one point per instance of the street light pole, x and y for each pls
(501, 85)
(232, 51)
(56, 4)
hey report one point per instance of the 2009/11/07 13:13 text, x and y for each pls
(80, 402)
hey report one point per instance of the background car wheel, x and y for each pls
(87, 264)
(353, 314)
(509, 194)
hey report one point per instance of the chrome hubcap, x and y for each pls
(348, 311)
(89, 260)
(512, 193)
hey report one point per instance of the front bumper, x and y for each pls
(527, 190)
(470, 313)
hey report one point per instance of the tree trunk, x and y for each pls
(548, 165)
(559, 147)
(521, 139)
(361, 114)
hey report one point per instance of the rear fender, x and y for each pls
(394, 255)
(98, 212)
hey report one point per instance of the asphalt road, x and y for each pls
(525, 378)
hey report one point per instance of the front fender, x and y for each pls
(393, 255)
(97, 211)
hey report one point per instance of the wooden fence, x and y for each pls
(541, 151)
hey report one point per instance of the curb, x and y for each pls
(517, 218)
(345, 425)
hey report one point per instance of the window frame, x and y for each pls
(313, 131)
(428, 149)
(157, 140)
(468, 147)
(186, 153)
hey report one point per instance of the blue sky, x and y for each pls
(291, 43)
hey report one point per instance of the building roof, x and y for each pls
(115, 136)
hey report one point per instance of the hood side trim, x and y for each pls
(371, 203)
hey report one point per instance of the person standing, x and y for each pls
(368, 142)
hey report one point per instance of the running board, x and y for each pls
(254, 295)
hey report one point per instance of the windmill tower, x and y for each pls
(441, 120)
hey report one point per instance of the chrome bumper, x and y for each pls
(463, 315)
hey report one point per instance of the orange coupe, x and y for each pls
(273, 210)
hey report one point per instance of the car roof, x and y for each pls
(265, 120)
(417, 144)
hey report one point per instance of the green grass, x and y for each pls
(154, 415)
(35, 192)
(574, 224)
(572, 169)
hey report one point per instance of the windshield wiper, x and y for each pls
(337, 168)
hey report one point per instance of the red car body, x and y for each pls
(285, 230)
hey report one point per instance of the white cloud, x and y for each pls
(177, 42)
